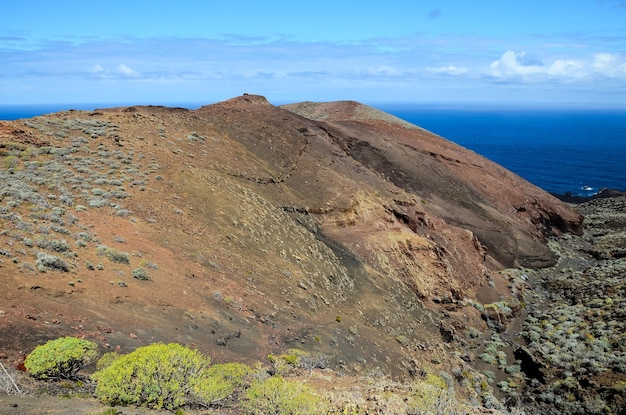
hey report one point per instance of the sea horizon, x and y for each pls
(573, 149)
(10, 112)
(577, 151)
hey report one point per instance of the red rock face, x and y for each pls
(510, 216)
(257, 227)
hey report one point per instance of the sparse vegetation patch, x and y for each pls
(113, 255)
(46, 261)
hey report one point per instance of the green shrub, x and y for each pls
(293, 357)
(219, 382)
(234, 373)
(141, 274)
(296, 358)
(277, 396)
(113, 255)
(106, 360)
(157, 376)
(433, 396)
(45, 261)
(53, 245)
(61, 358)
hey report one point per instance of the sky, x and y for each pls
(557, 52)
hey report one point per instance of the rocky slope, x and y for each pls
(576, 326)
(243, 229)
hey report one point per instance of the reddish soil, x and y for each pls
(332, 228)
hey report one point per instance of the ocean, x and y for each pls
(577, 151)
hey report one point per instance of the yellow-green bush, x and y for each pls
(432, 396)
(106, 360)
(277, 396)
(234, 373)
(166, 376)
(157, 376)
(281, 364)
(220, 381)
(61, 358)
(296, 358)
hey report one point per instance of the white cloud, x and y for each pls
(448, 70)
(385, 70)
(98, 70)
(396, 66)
(512, 66)
(609, 65)
(571, 69)
(125, 70)
(121, 71)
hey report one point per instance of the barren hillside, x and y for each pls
(243, 229)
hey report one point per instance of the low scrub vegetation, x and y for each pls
(158, 376)
(141, 274)
(172, 377)
(167, 376)
(46, 261)
(434, 396)
(41, 187)
(61, 358)
(113, 255)
(276, 395)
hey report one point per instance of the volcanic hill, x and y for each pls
(243, 229)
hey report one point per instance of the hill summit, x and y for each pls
(244, 228)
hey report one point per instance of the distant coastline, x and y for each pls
(602, 194)
(15, 112)
(573, 153)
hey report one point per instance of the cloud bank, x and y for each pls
(513, 66)
(416, 67)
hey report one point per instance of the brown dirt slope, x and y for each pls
(243, 228)
(509, 216)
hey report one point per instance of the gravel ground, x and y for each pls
(577, 322)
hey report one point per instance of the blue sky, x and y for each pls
(424, 51)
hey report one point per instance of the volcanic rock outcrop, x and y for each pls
(245, 228)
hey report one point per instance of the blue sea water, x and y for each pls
(15, 112)
(573, 150)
